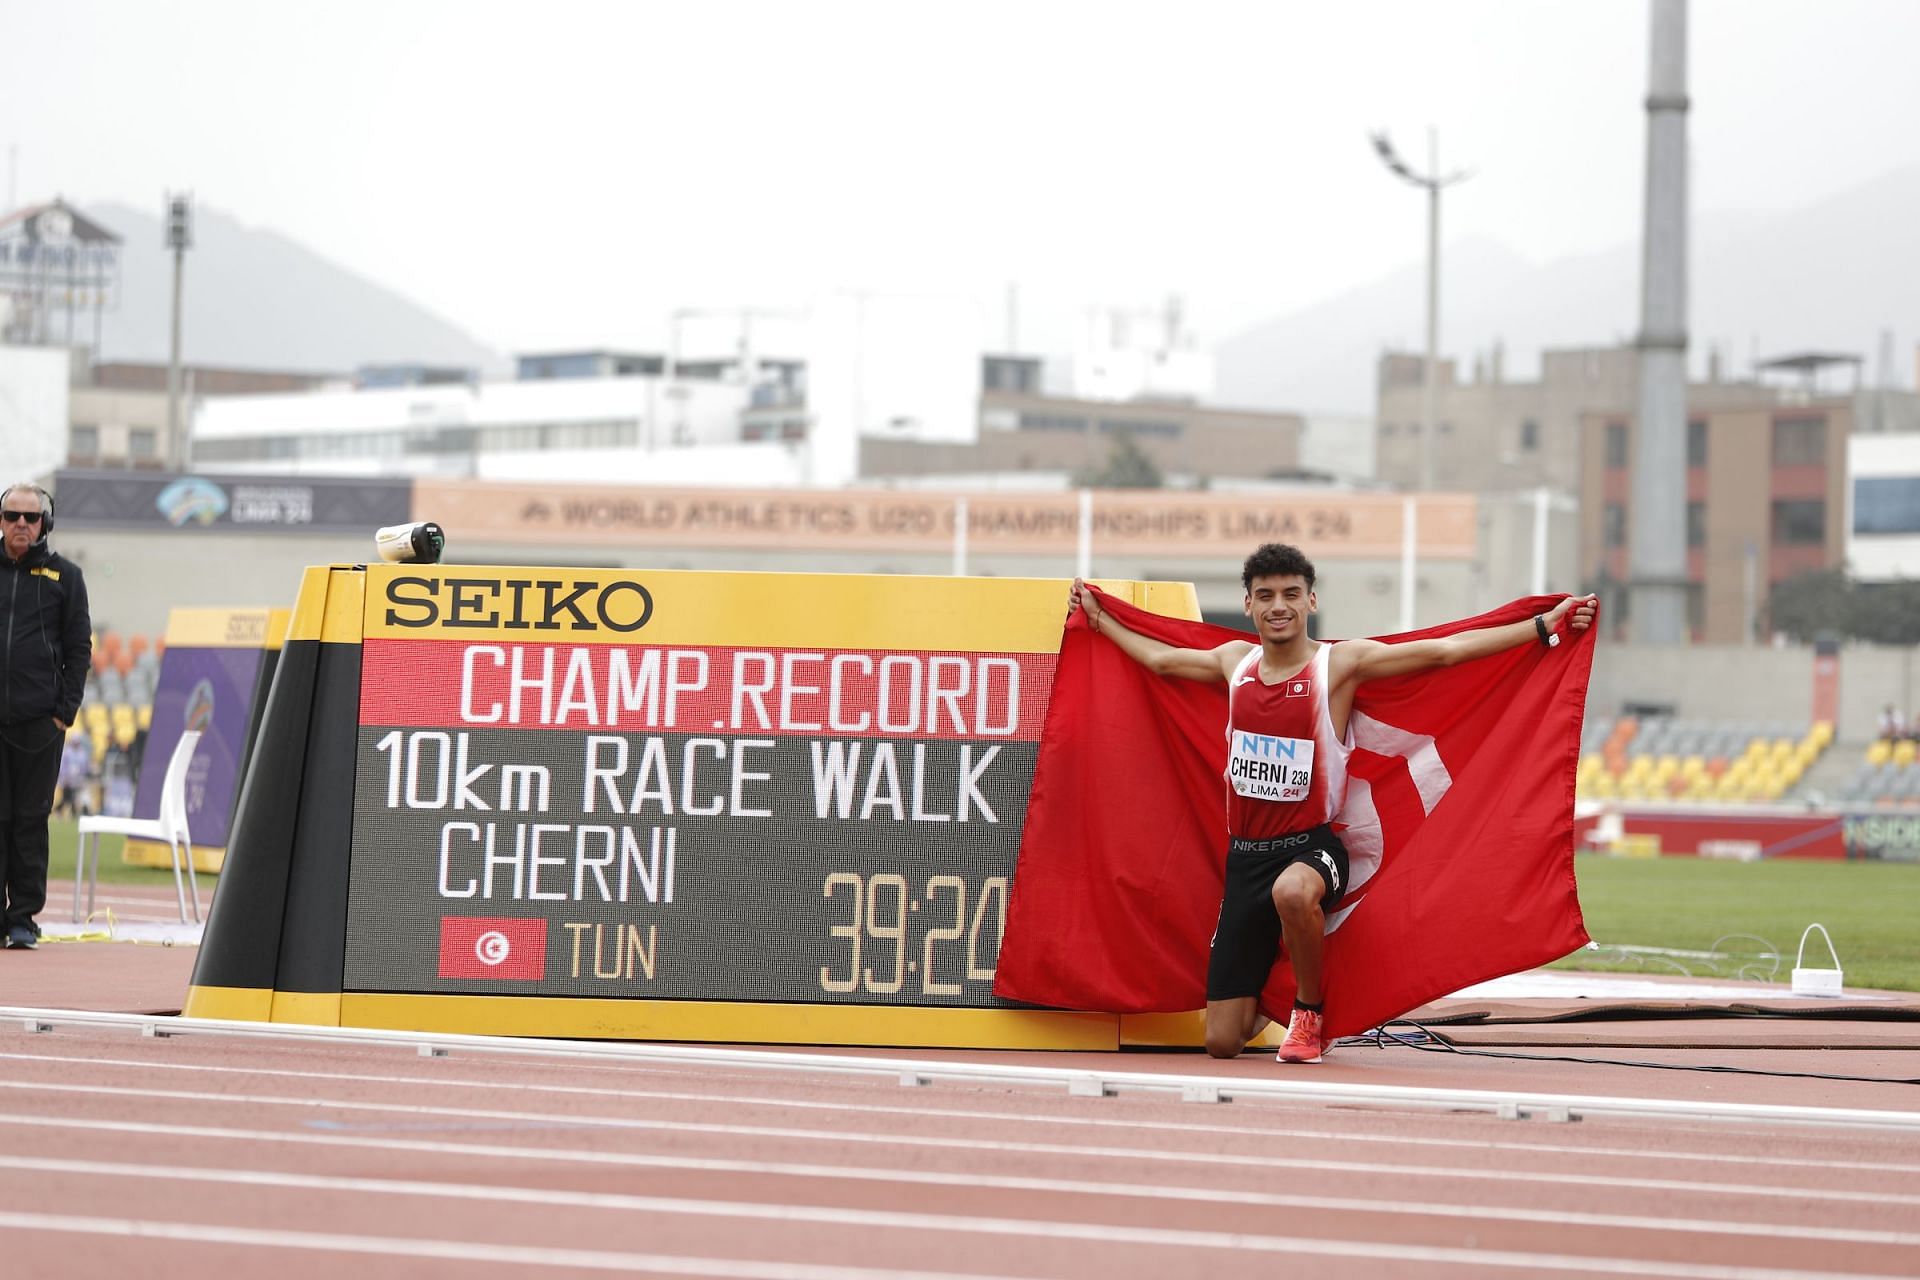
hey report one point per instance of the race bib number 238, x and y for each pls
(1262, 767)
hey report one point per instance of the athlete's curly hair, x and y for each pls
(1276, 559)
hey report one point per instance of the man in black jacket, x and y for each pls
(46, 646)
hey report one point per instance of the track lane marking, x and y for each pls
(1767, 1161)
(715, 1164)
(1428, 1255)
(894, 1219)
(462, 1251)
(635, 1124)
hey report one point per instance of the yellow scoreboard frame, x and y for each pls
(324, 915)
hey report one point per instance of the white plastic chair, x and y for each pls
(170, 827)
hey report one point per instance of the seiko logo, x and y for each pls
(531, 604)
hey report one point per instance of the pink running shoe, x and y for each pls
(1303, 1043)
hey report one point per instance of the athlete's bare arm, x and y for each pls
(1211, 665)
(1356, 661)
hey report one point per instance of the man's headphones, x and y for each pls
(46, 505)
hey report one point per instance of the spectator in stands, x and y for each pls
(1893, 725)
(46, 650)
(76, 773)
(117, 780)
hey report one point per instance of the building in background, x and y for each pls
(117, 416)
(33, 410)
(1883, 507)
(1767, 488)
(1127, 353)
(1494, 435)
(1053, 440)
(709, 425)
(59, 274)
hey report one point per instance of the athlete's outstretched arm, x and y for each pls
(1370, 659)
(1213, 665)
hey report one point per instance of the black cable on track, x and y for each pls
(1429, 1041)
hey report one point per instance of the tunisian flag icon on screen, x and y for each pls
(492, 947)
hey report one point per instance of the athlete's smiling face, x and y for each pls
(1279, 606)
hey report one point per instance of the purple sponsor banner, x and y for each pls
(210, 690)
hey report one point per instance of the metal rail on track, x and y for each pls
(1508, 1104)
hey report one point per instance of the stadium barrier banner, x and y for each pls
(1155, 522)
(214, 677)
(635, 804)
(1892, 835)
(1746, 835)
(195, 501)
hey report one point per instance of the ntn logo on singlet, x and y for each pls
(1269, 747)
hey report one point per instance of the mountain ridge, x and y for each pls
(320, 316)
(1830, 275)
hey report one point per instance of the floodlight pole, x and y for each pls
(1431, 181)
(179, 238)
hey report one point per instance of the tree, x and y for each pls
(1127, 467)
(1828, 601)
(1886, 612)
(1809, 603)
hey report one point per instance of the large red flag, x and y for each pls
(1458, 820)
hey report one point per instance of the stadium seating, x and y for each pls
(119, 696)
(1887, 777)
(1673, 758)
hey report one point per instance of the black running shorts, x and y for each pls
(1246, 942)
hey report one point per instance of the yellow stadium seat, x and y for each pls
(1879, 751)
(1903, 751)
(144, 716)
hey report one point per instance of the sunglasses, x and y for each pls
(31, 517)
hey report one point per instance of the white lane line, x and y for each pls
(1769, 1161)
(460, 1250)
(1428, 1255)
(1265, 1161)
(850, 1173)
(1299, 1087)
(891, 1219)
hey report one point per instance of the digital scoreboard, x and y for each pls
(545, 801)
(565, 785)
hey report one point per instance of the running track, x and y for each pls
(201, 1155)
(215, 1155)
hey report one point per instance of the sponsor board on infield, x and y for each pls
(213, 678)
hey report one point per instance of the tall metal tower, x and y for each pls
(179, 239)
(1657, 534)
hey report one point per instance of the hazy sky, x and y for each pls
(565, 173)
